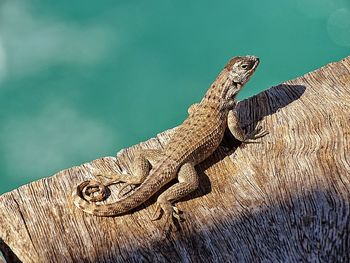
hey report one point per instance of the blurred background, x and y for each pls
(83, 79)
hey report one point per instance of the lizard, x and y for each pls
(192, 142)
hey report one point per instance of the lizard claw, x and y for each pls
(168, 224)
(169, 213)
(106, 179)
(172, 220)
(259, 133)
(256, 134)
(121, 194)
(157, 213)
(177, 214)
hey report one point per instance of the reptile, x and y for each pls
(191, 143)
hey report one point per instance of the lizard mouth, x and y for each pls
(255, 61)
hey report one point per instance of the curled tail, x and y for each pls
(87, 193)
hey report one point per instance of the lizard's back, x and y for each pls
(197, 137)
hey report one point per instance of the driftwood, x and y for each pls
(285, 199)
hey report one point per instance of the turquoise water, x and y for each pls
(80, 80)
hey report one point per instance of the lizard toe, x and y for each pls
(177, 214)
(157, 213)
(122, 192)
(256, 134)
(169, 222)
(171, 217)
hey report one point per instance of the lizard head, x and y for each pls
(232, 78)
(241, 69)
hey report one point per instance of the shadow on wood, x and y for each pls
(8, 253)
(284, 199)
(261, 236)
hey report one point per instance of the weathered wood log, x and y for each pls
(285, 199)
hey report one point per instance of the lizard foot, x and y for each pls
(121, 190)
(116, 178)
(109, 178)
(256, 134)
(172, 216)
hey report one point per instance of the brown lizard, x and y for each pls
(191, 143)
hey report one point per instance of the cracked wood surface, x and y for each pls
(283, 200)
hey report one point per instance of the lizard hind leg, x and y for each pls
(143, 162)
(96, 190)
(141, 166)
(188, 182)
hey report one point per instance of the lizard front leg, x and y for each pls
(188, 182)
(236, 130)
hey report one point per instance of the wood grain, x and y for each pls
(285, 199)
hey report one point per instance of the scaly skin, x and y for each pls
(192, 142)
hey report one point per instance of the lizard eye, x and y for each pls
(244, 66)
